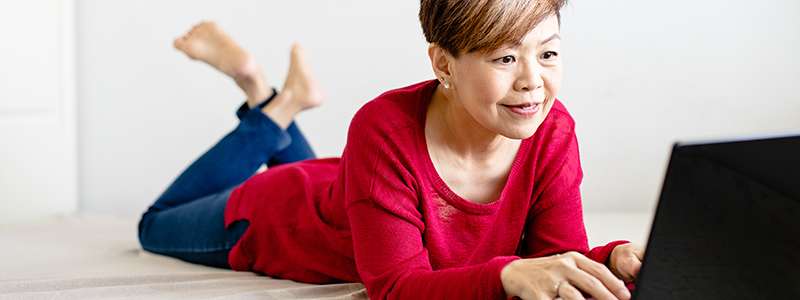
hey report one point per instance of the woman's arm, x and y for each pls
(555, 219)
(394, 264)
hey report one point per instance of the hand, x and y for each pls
(626, 260)
(564, 275)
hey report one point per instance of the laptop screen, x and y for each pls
(727, 225)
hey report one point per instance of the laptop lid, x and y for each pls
(727, 225)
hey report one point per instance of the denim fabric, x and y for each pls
(187, 221)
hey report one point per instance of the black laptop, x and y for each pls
(727, 224)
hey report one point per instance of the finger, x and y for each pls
(599, 271)
(639, 252)
(632, 263)
(639, 255)
(584, 281)
(626, 267)
(568, 292)
(636, 268)
(601, 276)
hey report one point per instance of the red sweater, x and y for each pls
(381, 214)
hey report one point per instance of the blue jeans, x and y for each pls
(187, 221)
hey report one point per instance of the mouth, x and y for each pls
(525, 109)
(526, 105)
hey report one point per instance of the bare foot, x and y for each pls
(207, 42)
(300, 91)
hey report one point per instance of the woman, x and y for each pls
(464, 187)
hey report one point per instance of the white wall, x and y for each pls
(147, 111)
(641, 74)
(38, 141)
(638, 75)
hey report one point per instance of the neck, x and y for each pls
(450, 128)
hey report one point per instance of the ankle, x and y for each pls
(254, 85)
(261, 97)
(281, 109)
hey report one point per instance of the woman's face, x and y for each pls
(511, 90)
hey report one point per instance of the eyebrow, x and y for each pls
(552, 37)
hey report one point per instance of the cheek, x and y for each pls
(482, 81)
(482, 91)
(552, 81)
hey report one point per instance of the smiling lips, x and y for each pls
(525, 109)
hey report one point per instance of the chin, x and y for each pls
(519, 129)
(521, 133)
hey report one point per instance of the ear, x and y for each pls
(440, 60)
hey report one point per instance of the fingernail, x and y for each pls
(624, 292)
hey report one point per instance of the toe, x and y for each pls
(179, 42)
(297, 52)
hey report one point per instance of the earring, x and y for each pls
(446, 85)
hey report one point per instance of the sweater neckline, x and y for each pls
(438, 183)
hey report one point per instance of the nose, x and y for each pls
(529, 77)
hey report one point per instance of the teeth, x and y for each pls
(525, 107)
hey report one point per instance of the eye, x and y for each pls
(549, 55)
(507, 59)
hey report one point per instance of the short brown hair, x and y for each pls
(469, 26)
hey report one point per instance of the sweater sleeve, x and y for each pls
(560, 229)
(555, 221)
(393, 262)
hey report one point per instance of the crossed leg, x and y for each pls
(187, 221)
(207, 42)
